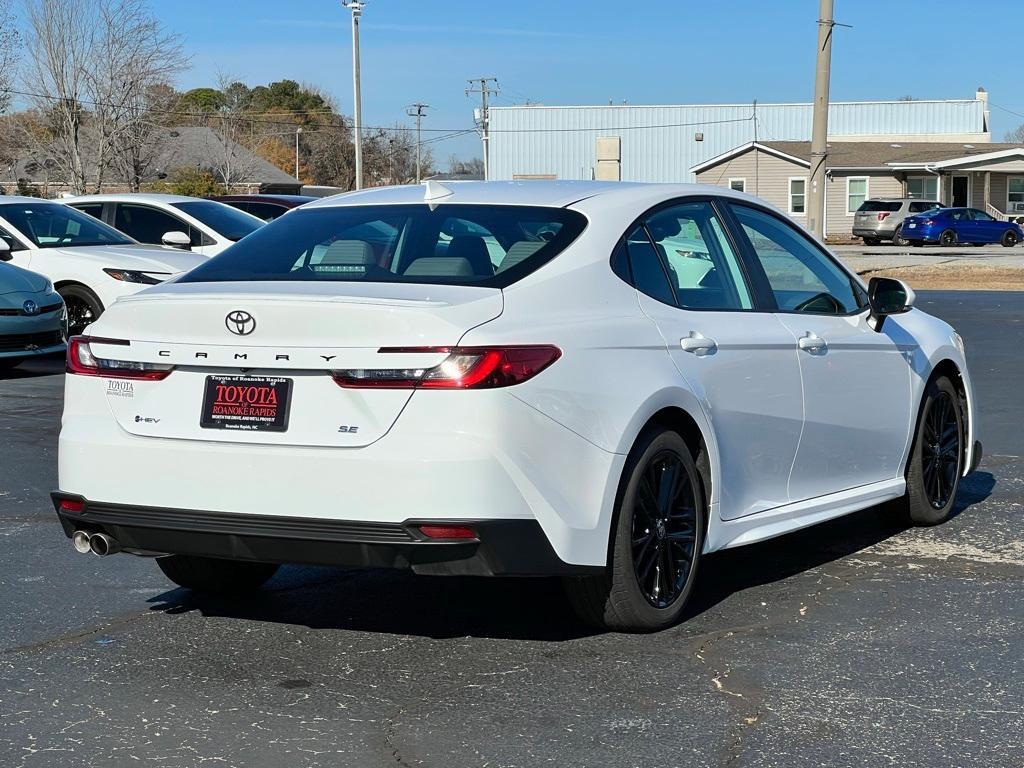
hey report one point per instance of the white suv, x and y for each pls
(364, 382)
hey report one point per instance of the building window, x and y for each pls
(738, 185)
(923, 187)
(856, 193)
(798, 196)
(1015, 194)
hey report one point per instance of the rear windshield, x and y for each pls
(876, 206)
(486, 245)
(228, 222)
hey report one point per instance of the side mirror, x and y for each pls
(888, 296)
(5, 251)
(177, 240)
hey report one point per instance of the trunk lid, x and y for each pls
(298, 332)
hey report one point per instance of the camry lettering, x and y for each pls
(241, 356)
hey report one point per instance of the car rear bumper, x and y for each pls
(500, 548)
(870, 232)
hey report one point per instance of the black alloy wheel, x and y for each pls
(664, 530)
(83, 307)
(948, 237)
(657, 534)
(1009, 239)
(936, 462)
(940, 450)
(898, 238)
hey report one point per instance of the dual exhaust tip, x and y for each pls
(99, 544)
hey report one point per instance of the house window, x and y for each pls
(738, 185)
(1015, 194)
(798, 196)
(923, 187)
(856, 193)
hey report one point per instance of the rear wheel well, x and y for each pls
(682, 422)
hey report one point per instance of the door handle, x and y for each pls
(697, 344)
(811, 343)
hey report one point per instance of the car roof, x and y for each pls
(142, 197)
(555, 194)
(5, 199)
(296, 199)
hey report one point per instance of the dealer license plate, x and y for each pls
(246, 403)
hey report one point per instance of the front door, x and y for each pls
(741, 364)
(856, 382)
(961, 186)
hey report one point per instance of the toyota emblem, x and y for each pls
(30, 307)
(240, 323)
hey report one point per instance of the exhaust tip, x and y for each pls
(80, 541)
(102, 545)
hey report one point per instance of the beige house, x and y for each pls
(986, 176)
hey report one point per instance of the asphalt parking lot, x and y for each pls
(855, 643)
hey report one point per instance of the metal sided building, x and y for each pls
(662, 143)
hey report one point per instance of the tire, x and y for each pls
(948, 238)
(206, 574)
(83, 305)
(655, 533)
(936, 463)
(899, 239)
(1009, 239)
(871, 241)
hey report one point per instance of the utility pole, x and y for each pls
(416, 110)
(479, 85)
(819, 133)
(298, 132)
(356, 6)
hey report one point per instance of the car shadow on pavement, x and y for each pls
(31, 369)
(398, 602)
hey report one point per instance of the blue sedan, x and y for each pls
(952, 226)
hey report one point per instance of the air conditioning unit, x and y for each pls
(1017, 207)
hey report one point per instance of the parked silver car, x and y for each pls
(882, 218)
(33, 320)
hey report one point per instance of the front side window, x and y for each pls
(486, 245)
(146, 224)
(12, 242)
(923, 187)
(856, 193)
(702, 267)
(980, 215)
(93, 209)
(802, 278)
(229, 222)
(52, 225)
(798, 196)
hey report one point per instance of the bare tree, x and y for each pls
(8, 52)
(1016, 136)
(132, 60)
(232, 140)
(60, 39)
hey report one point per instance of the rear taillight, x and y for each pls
(928, 222)
(883, 215)
(464, 368)
(82, 362)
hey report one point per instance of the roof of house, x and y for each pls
(181, 147)
(874, 154)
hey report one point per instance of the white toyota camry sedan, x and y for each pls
(599, 381)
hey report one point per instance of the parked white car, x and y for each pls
(32, 316)
(205, 227)
(359, 384)
(90, 264)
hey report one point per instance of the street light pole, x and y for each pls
(298, 132)
(356, 6)
(819, 132)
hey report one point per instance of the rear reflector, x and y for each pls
(464, 368)
(81, 361)
(447, 531)
(72, 505)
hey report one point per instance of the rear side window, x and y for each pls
(486, 245)
(646, 267)
(93, 209)
(878, 206)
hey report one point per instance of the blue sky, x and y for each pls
(579, 52)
